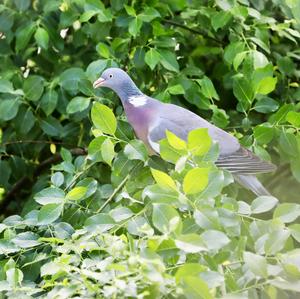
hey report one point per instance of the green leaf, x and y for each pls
(149, 14)
(95, 68)
(94, 149)
(33, 87)
(199, 141)
(49, 101)
(51, 126)
(14, 277)
(266, 105)
(76, 193)
(101, 222)
(121, 213)
(256, 263)
(176, 89)
(78, 104)
(66, 154)
(195, 180)
(27, 122)
(108, 151)
(295, 231)
(49, 213)
(276, 241)
(161, 195)
(6, 86)
(238, 59)
(42, 38)
(168, 60)
(57, 179)
(51, 195)
(190, 243)
(287, 212)
(169, 153)
(163, 180)
(103, 50)
(219, 118)
(293, 118)
(285, 284)
(266, 85)
(232, 50)
(220, 19)
(103, 118)
(136, 150)
(166, 219)
(243, 91)
(22, 5)
(23, 36)
(9, 109)
(207, 88)
(189, 269)
(135, 26)
(70, 79)
(288, 144)
(7, 247)
(214, 239)
(263, 133)
(130, 10)
(259, 59)
(195, 288)
(26, 240)
(263, 204)
(152, 58)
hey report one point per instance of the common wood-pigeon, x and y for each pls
(151, 118)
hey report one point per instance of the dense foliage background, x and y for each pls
(93, 215)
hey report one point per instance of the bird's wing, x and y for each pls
(245, 162)
(232, 157)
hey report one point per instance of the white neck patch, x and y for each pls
(138, 101)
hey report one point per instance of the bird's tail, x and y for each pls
(251, 182)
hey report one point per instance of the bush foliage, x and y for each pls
(85, 211)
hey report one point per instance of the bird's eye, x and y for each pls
(110, 76)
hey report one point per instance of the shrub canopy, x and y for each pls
(85, 211)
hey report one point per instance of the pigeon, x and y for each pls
(151, 118)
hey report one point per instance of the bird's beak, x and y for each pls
(98, 82)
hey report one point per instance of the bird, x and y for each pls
(151, 118)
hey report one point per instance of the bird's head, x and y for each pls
(119, 81)
(112, 78)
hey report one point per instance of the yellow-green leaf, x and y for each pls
(76, 193)
(266, 85)
(195, 180)
(199, 141)
(104, 119)
(175, 141)
(163, 180)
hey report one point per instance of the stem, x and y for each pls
(191, 30)
(114, 193)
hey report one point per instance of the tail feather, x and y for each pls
(251, 182)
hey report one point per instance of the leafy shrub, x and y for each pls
(86, 212)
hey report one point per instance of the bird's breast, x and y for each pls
(140, 118)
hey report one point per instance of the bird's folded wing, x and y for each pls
(244, 161)
(240, 161)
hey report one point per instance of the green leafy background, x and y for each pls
(85, 211)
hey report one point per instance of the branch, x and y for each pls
(26, 182)
(196, 31)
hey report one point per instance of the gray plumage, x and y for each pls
(150, 119)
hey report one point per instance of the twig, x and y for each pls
(35, 142)
(117, 189)
(114, 193)
(27, 182)
(196, 31)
